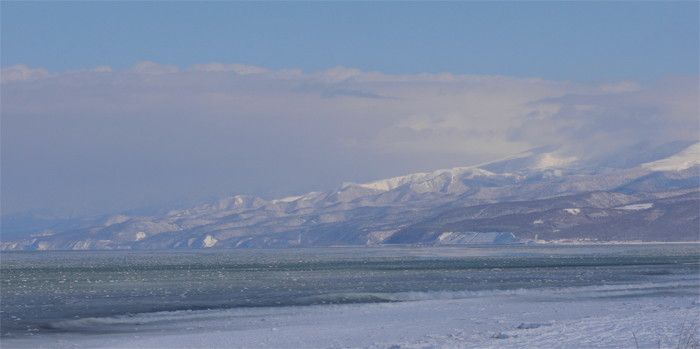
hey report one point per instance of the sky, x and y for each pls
(111, 106)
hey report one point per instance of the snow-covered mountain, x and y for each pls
(641, 193)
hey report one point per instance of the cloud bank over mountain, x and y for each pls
(99, 140)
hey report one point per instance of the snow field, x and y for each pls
(496, 321)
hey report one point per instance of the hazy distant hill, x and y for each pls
(642, 193)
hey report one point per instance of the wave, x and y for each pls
(598, 291)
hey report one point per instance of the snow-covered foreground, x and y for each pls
(508, 320)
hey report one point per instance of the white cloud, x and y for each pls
(620, 86)
(103, 69)
(148, 67)
(591, 124)
(155, 132)
(100, 69)
(20, 72)
(219, 67)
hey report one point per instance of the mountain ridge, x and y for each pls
(405, 209)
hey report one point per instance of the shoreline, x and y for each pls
(507, 321)
(428, 246)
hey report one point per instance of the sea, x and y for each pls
(49, 293)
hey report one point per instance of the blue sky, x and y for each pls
(112, 106)
(552, 40)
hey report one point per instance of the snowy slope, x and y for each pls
(688, 158)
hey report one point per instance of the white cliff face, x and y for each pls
(209, 241)
(561, 195)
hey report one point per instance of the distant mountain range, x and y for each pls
(641, 193)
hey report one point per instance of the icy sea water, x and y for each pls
(96, 292)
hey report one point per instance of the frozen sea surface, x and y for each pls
(399, 297)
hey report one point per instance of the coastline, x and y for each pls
(509, 321)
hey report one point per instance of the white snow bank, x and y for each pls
(573, 211)
(287, 199)
(209, 241)
(395, 182)
(681, 161)
(636, 207)
(307, 196)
